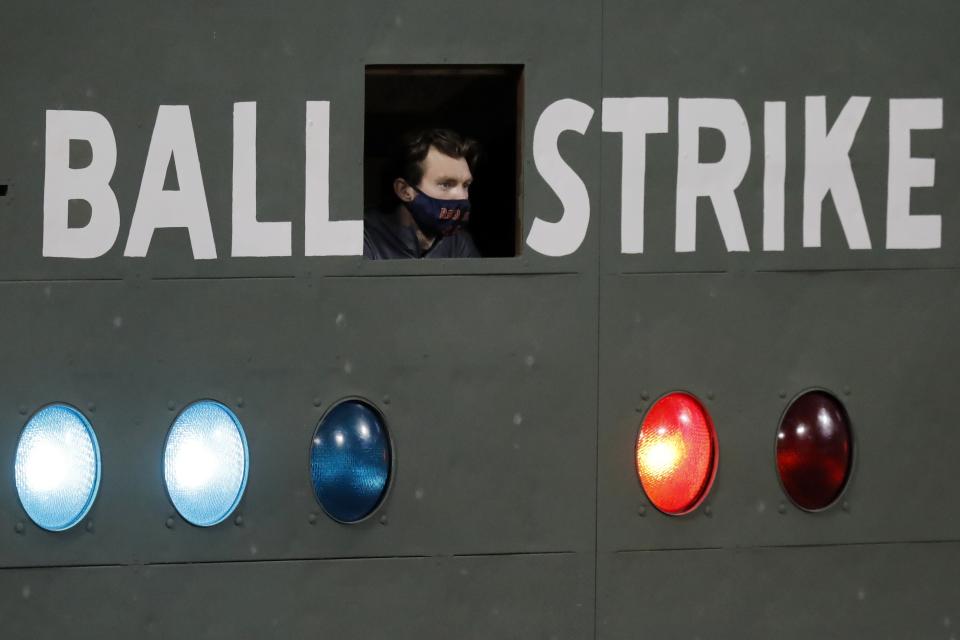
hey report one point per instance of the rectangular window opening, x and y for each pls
(478, 102)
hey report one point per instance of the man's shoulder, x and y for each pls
(381, 238)
(462, 245)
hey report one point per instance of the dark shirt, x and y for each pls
(385, 238)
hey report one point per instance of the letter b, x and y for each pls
(91, 183)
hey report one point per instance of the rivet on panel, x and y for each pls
(240, 402)
(312, 518)
(782, 508)
(238, 521)
(642, 511)
(782, 394)
(317, 402)
(23, 410)
(92, 407)
(846, 391)
(845, 506)
(644, 395)
(169, 523)
(89, 526)
(383, 519)
(19, 528)
(708, 511)
(171, 405)
(709, 395)
(386, 399)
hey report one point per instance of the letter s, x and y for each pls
(565, 236)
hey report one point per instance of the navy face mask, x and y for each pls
(437, 217)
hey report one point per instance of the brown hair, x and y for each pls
(414, 146)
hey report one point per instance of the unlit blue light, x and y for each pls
(350, 461)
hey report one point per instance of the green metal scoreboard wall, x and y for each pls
(734, 201)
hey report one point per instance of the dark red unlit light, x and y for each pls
(676, 453)
(814, 450)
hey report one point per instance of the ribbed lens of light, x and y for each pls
(57, 467)
(205, 463)
(676, 453)
(350, 461)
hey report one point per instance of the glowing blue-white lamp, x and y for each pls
(206, 463)
(57, 467)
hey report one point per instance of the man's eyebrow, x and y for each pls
(446, 178)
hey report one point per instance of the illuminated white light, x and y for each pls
(205, 463)
(44, 465)
(57, 467)
(195, 464)
(663, 456)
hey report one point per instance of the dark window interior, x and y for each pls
(478, 101)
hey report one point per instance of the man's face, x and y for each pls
(445, 178)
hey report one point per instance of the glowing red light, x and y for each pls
(677, 453)
(814, 450)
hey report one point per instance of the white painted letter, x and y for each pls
(251, 238)
(324, 237)
(716, 180)
(186, 207)
(91, 183)
(565, 236)
(827, 169)
(634, 118)
(905, 231)
(774, 173)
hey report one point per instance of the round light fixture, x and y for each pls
(206, 463)
(57, 467)
(350, 461)
(676, 453)
(814, 450)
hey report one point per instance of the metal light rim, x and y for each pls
(246, 462)
(91, 498)
(391, 471)
(854, 449)
(714, 443)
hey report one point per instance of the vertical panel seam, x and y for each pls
(596, 441)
